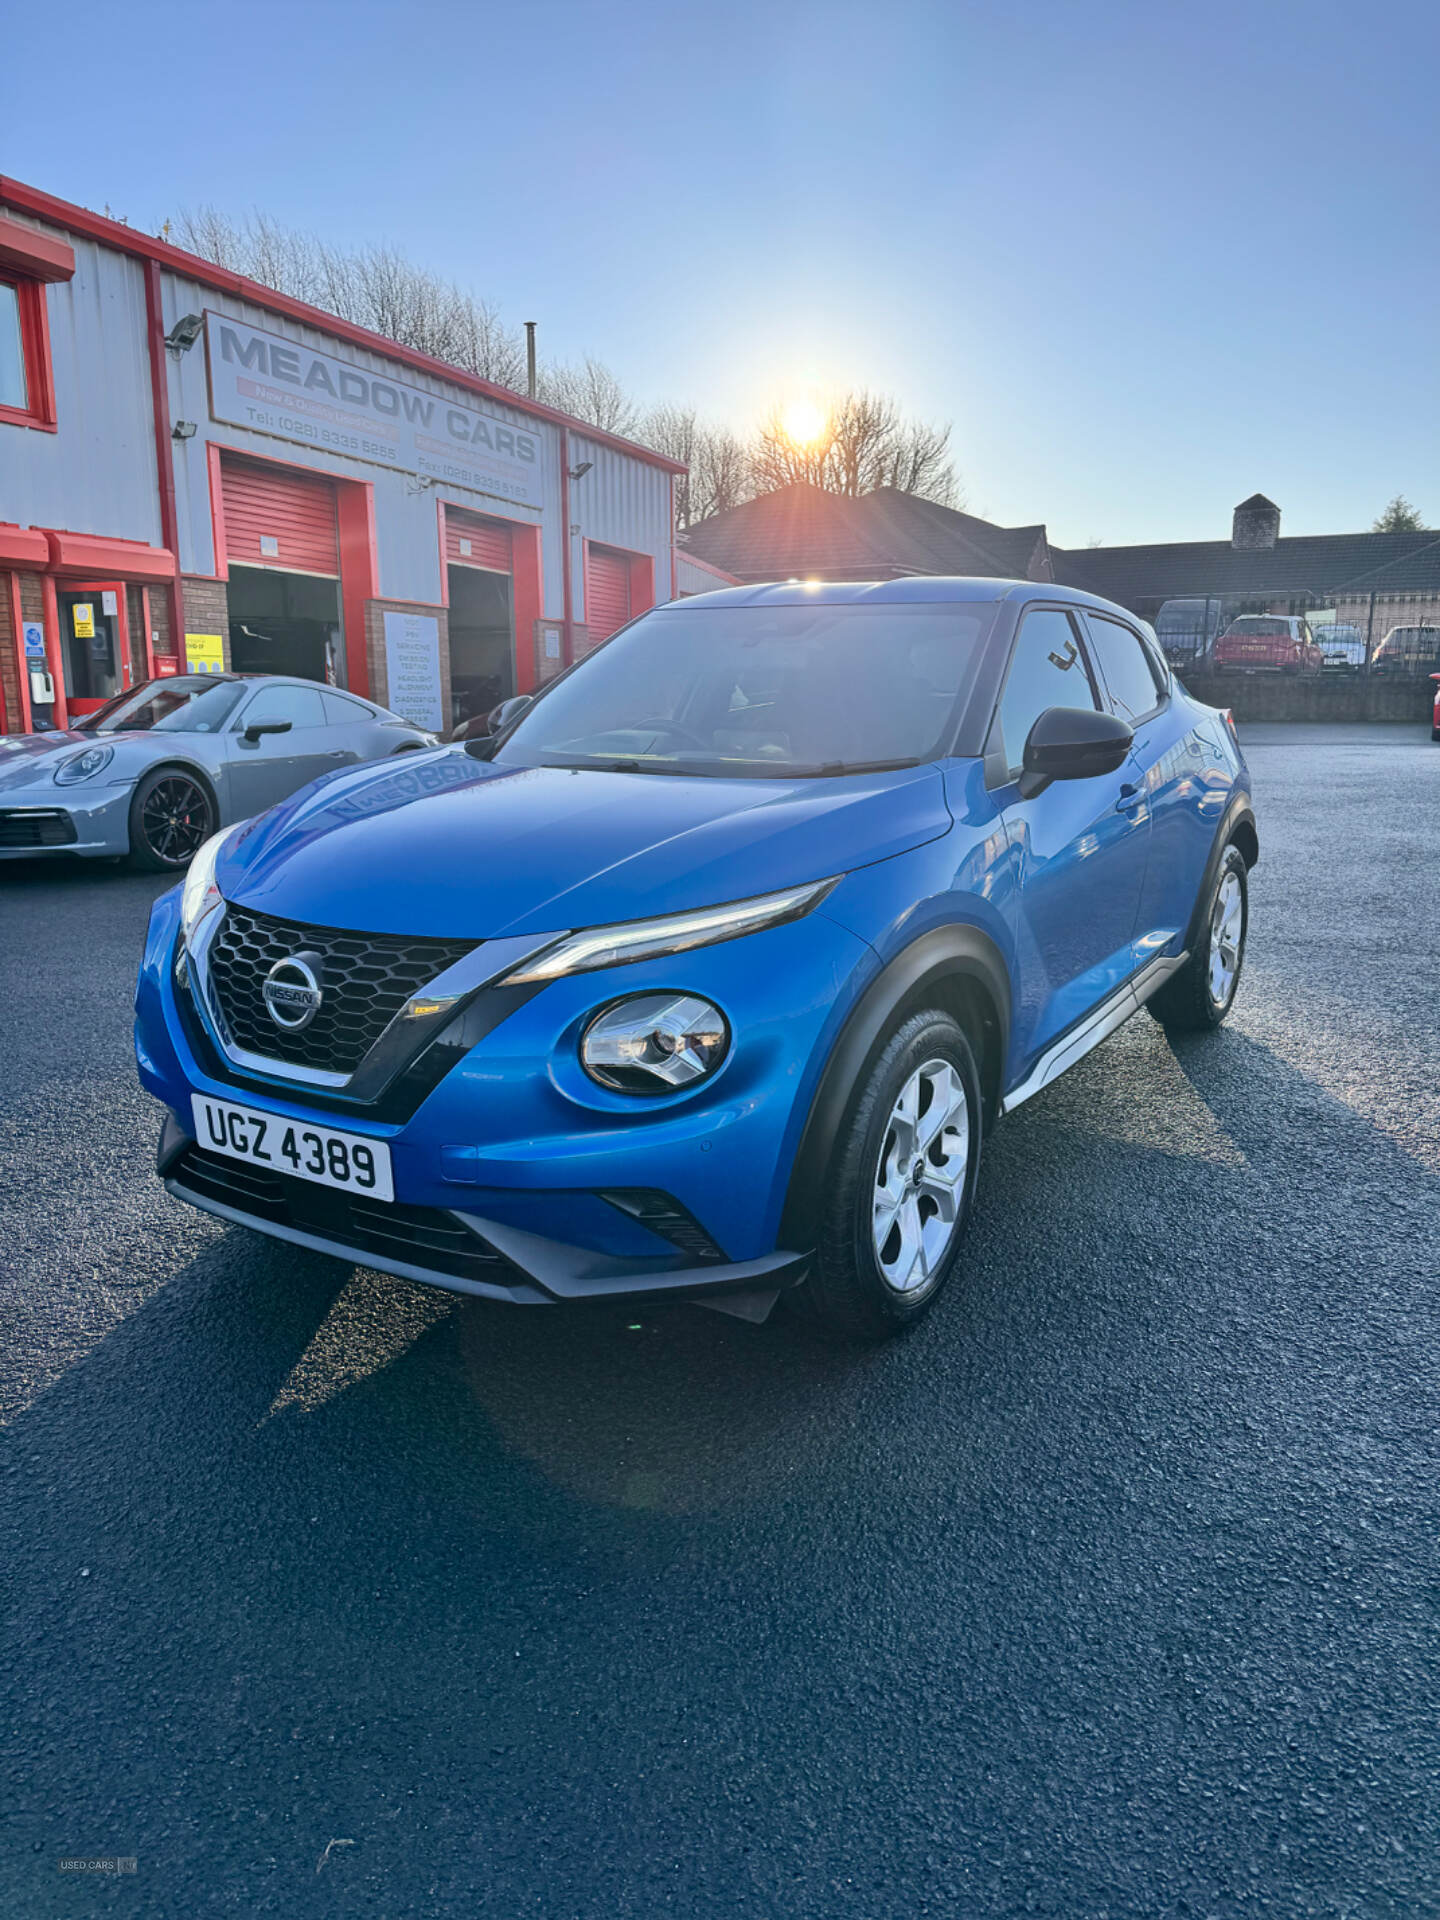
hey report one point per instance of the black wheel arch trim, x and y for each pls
(936, 960)
(1237, 825)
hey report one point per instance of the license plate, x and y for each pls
(325, 1155)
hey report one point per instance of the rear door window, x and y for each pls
(1125, 667)
(342, 711)
(299, 705)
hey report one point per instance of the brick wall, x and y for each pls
(9, 669)
(135, 621)
(1314, 696)
(207, 610)
(162, 620)
(375, 611)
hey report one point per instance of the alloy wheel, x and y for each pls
(175, 819)
(1227, 936)
(920, 1179)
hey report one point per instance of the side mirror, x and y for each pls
(1073, 743)
(479, 735)
(259, 727)
(509, 710)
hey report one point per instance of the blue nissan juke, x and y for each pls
(709, 972)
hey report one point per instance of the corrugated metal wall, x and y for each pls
(691, 577)
(407, 515)
(97, 473)
(622, 503)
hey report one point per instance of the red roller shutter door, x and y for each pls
(472, 542)
(277, 517)
(607, 593)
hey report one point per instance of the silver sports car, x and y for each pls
(155, 771)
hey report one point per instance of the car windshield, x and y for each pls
(747, 691)
(141, 707)
(207, 710)
(1261, 628)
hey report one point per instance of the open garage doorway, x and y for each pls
(482, 650)
(285, 623)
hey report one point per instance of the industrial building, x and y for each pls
(198, 473)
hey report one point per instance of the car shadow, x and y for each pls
(295, 1550)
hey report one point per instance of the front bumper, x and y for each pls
(515, 1169)
(39, 822)
(505, 1263)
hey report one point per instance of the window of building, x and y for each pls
(14, 390)
(25, 387)
(1125, 665)
(1046, 670)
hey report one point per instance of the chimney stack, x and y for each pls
(1256, 524)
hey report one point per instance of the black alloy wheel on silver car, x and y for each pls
(1200, 995)
(171, 816)
(900, 1185)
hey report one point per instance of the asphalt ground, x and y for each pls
(1112, 1590)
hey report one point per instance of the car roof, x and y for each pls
(916, 589)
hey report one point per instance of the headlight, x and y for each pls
(200, 892)
(655, 1043)
(83, 765)
(676, 933)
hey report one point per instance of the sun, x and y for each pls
(802, 422)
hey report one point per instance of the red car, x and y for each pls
(1268, 642)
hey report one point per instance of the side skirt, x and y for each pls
(1095, 1027)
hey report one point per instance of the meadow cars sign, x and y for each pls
(272, 385)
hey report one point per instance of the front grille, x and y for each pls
(418, 1236)
(366, 979)
(36, 828)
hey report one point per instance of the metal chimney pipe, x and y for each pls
(530, 357)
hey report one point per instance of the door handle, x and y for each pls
(1130, 796)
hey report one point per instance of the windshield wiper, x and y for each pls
(829, 769)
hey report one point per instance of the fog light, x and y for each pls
(655, 1043)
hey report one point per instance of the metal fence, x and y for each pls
(1393, 636)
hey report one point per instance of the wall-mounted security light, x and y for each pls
(183, 335)
(579, 473)
(183, 430)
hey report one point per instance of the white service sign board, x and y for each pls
(412, 669)
(272, 385)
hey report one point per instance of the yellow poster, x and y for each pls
(204, 653)
(84, 620)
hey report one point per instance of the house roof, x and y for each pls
(803, 530)
(143, 246)
(1322, 564)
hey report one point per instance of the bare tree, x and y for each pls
(725, 472)
(374, 287)
(1399, 517)
(591, 392)
(866, 443)
(718, 462)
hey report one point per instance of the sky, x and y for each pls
(1146, 258)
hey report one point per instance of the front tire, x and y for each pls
(900, 1185)
(1199, 996)
(171, 816)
